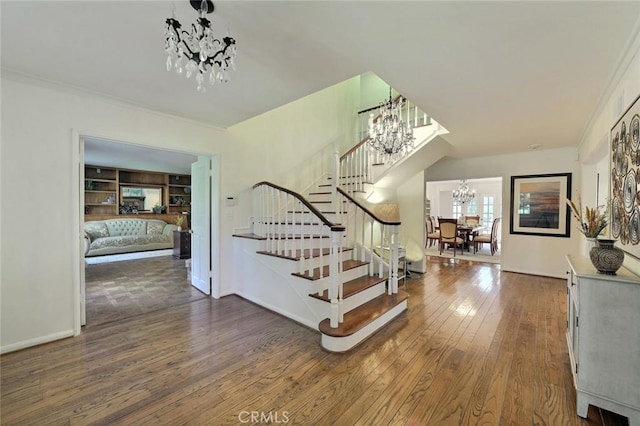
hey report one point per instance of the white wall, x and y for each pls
(40, 204)
(289, 146)
(594, 149)
(411, 202)
(40, 197)
(520, 253)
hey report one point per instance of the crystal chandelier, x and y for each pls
(389, 134)
(463, 194)
(199, 51)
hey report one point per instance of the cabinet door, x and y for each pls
(573, 333)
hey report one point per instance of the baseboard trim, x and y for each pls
(279, 311)
(36, 341)
(127, 256)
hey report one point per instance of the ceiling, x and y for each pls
(108, 153)
(500, 76)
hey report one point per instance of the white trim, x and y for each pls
(215, 202)
(94, 260)
(77, 236)
(37, 341)
(342, 344)
(535, 273)
(287, 314)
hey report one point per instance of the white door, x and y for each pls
(201, 224)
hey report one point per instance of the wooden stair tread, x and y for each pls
(294, 236)
(250, 236)
(292, 223)
(298, 253)
(346, 265)
(363, 315)
(353, 287)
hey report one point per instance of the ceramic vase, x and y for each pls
(606, 258)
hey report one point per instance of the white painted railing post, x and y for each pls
(334, 186)
(393, 262)
(335, 281)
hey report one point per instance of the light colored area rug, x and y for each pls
(127, 256)
(483, 255)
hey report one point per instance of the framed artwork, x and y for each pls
(625, 178)
(539, 205)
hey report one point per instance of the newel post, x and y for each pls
(393, 265)
(335, 280)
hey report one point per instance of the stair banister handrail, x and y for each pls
(393, 228)
(335, 289)
(367, 211)
(331, 225)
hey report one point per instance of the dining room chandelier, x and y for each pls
(388, 133)
(199, 51)
(463, 194)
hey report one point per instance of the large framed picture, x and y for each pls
(539, 205)
(625, 180)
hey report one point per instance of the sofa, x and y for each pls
(126, 235)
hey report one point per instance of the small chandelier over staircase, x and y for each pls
(389, 134)
(199, 51)
(463, 194)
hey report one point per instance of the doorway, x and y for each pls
(130, 285)
(486, 205)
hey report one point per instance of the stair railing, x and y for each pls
(374, 240)
(294, 228)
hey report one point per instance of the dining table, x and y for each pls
(467, 232)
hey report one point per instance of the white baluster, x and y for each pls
(362, 239)
(272, 248)
(320, 227)
(334, 185)
(371, 245)
(380, 262)
(308, 263)
(393, 261)
(293, 245)
(335, 280)
(280, 226)
(301, 263)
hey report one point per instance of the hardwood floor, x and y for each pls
(476, 346)
(129, 288)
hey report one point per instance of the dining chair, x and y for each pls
(472, 220)
(488, 238)
(432, 234)
(449, 234)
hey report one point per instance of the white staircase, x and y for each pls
(303, 251)
(313, 258)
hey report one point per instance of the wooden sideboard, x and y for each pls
(603, 335)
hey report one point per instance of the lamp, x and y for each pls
(389, 134)
(389, 212)
(463, 194)
(199, 51)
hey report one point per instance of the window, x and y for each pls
(487, 212)
(472, 208)
(457, 210)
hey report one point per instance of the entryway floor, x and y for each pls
(129, 288)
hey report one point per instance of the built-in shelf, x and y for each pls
(103, 193)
